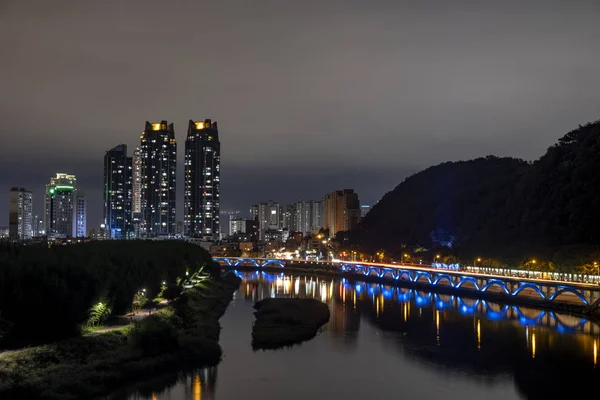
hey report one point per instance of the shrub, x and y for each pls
(99, 313)
(154, 335)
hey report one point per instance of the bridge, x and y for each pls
(380, 293)
(541, 290)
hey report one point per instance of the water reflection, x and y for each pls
(197, 384)
(516, 352)
(280, 285)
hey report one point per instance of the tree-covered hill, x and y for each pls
(501, 208)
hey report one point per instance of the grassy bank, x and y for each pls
(183, 334)
(284, 322)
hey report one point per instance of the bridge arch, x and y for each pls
(561, 289)
(404, 273)
(528, 285)
(495, 282)
(346, 267)
(465, 279)
(443, 277)
(387, 272)
(360, 268)
(422, 274)
(373, 271)
(252, 261)
(276, 262)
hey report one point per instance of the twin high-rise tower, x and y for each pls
(140, 191)
(202, 175)
(158, 153)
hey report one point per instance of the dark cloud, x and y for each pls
(333, 85)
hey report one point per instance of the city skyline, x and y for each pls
(98, 216)
(381, 91)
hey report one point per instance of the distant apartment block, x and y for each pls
(118, 192)
(341, 211)
(269, 217)
(308, 217)
(20, 214)
(65, 208)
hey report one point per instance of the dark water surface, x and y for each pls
(393, 343)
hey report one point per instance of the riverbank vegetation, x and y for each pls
(284, 322)
(184, 334)
(48, 294)
(492, 211)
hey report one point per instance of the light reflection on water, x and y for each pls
(407, 334)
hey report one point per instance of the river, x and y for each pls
(386, 342)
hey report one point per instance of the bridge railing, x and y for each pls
(520, 273)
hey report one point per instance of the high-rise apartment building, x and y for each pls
(288, 218)
(202, 180)
(237, 225)
(136, 192)
(307, 217)
(79, 217)
(136, 199)
(254, 211)
(65, 208)
(117, 192)
(268, 216)
(38, 226)
(341, 211)
(20, 214)
(158, 168)
(316, 216)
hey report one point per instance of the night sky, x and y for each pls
(310, 96)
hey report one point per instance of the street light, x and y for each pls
(404, 255)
